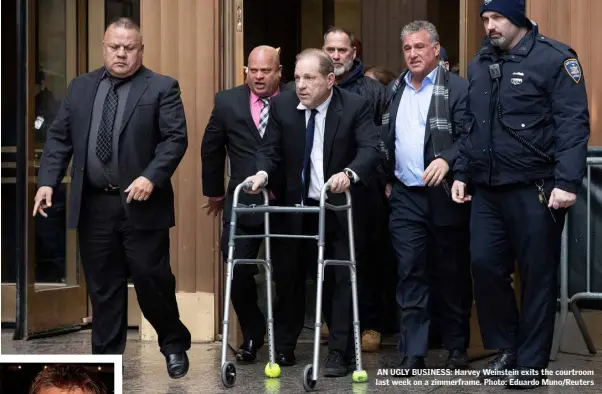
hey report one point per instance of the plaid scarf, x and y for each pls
(439, 119)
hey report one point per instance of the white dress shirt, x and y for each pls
(410, 127)
(316, 159)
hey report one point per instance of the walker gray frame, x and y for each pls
(310, 373)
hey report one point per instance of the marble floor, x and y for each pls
(145, 369)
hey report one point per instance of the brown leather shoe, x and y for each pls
(371, 340)
(324, 333)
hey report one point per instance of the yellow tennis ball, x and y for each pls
(272, 371)
(360, 376)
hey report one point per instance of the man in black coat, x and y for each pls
(236, 128)
(429, 232)
(317, 134)
(374, 252)
(125, 128)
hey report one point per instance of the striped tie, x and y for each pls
(263, 116)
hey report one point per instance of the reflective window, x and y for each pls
(56, 66)
(8, 125)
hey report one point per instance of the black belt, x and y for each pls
(111, 190)
(103, 190)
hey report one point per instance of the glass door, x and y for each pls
(11, 91)
(56, 293)
(233, 74)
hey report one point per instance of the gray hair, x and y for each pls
(335, 29)
(325, 64)
(416, 26)
(124, 23)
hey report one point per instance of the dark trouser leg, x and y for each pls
(369, 276)
(105, 271)
(290, 274)
(371, 259)
(492, 263)
(451, 293)
(536, 238)
(336, 296)
(409, 234)
(147, 254)
(244, 288)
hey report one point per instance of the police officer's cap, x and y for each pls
(514, 10)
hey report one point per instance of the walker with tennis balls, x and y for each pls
(272, 369)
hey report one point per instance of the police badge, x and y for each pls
(573, 69)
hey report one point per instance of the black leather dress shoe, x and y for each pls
(408, 364)
(457, 359)
(505, 360)
(247, 352)
(335, 365)
(525, 378)
(177, 365)
(286, 359)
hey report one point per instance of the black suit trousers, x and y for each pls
(111, 249)
(293, 261)
(244, 288)
(510, 225)
(376, 264)
(433, 267)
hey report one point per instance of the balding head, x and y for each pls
(314, 77)
(264, 70)
(324, 62)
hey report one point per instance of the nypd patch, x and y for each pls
(573, 69)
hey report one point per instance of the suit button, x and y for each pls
(484, 150)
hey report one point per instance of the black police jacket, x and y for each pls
(542, 99)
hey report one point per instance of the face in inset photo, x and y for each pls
(37, 378)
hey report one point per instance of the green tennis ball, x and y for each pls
(360, 376)
(272, 371)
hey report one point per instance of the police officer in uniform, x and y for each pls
(523, 157)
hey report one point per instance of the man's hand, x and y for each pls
(213, 207)
(43, 200)
(139, 190)
(339, 182)
(435, 172)
(459, 192)
(257, 181)
(388, 189)
(561, 199)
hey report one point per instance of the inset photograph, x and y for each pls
(51, 375)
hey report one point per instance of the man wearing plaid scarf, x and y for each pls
(429, 232)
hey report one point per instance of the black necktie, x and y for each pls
(104, 141)
(309, 144)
